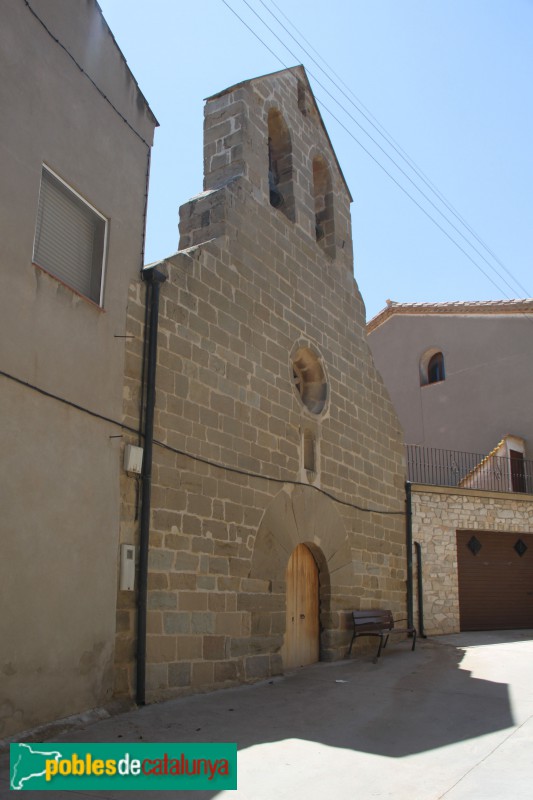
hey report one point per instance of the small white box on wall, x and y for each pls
(127, 567)
(133, 459)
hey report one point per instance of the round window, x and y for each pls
(310, 379)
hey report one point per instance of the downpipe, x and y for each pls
(409, 547)
(154, 280)
(420, 592)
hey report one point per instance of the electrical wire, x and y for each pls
(387, 155)
(376, 161)
(371, 119)
(193, 456)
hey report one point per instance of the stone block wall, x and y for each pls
(438, 513)
(231, 495)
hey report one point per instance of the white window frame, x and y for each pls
(45, 260)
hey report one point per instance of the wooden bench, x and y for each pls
(377, 622)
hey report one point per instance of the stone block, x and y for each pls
(162, 600)
(179, 674)
(160, 649)
(255, 585)
(160, 560)
(154, 622)
(183, 580)
(232, 624)
(218, 565)
(156, 677)
(203, 674)
(217, 601)
(192, 601)
(189, 648)
(177, 622)
(123, 621)
(186, 562)
(206, 583)
(261, 622)
(227, 671)
(257, 667)
(213, 648)
(202, 622)
(260, 602)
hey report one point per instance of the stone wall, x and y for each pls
(232, 495)
(438, 513)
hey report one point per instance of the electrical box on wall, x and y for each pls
(127, 567)
(133, 459)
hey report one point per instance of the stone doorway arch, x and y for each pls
(301, 515)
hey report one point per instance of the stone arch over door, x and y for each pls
(302, 515)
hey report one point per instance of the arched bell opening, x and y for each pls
(280, 168)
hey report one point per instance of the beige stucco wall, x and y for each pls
(231, 500)
(488, 377)
(438, 514)
(59, 472)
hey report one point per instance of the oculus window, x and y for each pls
(70, 238)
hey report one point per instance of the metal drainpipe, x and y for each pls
(409, 546)
(420, 590)
(154, 279)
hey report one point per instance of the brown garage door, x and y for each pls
(495, 580)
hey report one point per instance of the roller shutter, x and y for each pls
(495, 571)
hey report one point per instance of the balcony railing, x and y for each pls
(434, 467)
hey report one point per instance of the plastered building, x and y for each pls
(479, 353)
(74, 153)
(277, 500)
(459, 375)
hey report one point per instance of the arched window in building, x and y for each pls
(436, 368)
(323, 206)
(280, 179)
(432, 367)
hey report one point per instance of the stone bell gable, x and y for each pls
(278, 457)
(269, 133)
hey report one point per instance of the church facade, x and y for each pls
(277, 482)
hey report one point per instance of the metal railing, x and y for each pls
(435, 467)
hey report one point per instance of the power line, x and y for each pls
(371, 119)
(193, 456)
(376, 161)
(387, 155)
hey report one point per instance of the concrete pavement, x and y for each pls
(452, 720)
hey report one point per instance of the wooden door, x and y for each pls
(518, 475)
(301, 643)
(495, 580)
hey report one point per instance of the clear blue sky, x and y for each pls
(450, 80)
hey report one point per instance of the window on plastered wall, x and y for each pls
(323, 206)
(432, 367)
(280, 177)
(70, 238)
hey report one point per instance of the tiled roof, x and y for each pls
(459, 307)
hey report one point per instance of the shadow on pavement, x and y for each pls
(408, 704)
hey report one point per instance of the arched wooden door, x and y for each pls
(301, 644)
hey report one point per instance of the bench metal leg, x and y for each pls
(380, 648)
